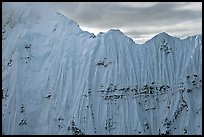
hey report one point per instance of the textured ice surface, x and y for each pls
(58, 79)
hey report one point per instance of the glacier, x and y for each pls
(58, 79)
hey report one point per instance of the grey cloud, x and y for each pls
(179, 30)
(117, 15)
(113, 14)
(170, 29)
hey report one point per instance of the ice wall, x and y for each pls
(58, 79)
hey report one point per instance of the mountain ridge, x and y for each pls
(59, 79)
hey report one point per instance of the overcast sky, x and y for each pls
(139, 20)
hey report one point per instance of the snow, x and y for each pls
(70, 81)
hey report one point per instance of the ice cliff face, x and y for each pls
(58, 79)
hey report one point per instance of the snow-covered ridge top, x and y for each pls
(158, 37)
(161, 37)
(166, 35)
